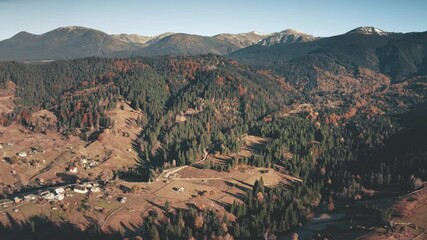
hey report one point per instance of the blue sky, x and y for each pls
(317, 17)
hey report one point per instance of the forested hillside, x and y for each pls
(335, 135)
(187, 103)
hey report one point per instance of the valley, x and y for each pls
(29, 177)
(181, 136)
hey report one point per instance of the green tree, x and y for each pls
(167, 206)
(154, 233)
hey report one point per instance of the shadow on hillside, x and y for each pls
(39, 228)
(70, 178)
(139, 173)
(404, 152)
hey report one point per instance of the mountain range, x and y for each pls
(291, 53)
(397, 55)
(78, 42)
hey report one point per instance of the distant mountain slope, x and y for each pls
(140, 40)
(80, 42)
(352, 48)
(132, 38)
(61, 43)
(186, 44)
(404, 56)
(241, 40)
(395, 54)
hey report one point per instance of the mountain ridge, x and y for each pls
(78, 42)
(396, 54)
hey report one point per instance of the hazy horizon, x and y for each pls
(210, 18)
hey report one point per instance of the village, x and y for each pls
(130, 201)
(53, 194)
(67, 179)
(43, 191)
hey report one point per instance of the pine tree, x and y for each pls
(154, 233)
(167, 206)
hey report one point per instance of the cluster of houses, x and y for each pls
(33, 150)
(84, 163)
(23, 157)
(86, 187)
(23, 154)
(57, 194)
(88, 163)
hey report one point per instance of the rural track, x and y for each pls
(165, 174)
(109, 215)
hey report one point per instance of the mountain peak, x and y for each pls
(23, 36)
(293, 31)
(257, 33)
(75, 33)
(73, 28)
(368, 30)
(287, 36)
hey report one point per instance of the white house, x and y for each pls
(59, 190)
(123, 199)
(27, 197)
(93, 163)
(49, 196)
(30, 197)
(60, 196)
(22, 154)
(95, 189)
(87, 184)
(73, 169)
(83, 161)
(17, 200)
(80, 189)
